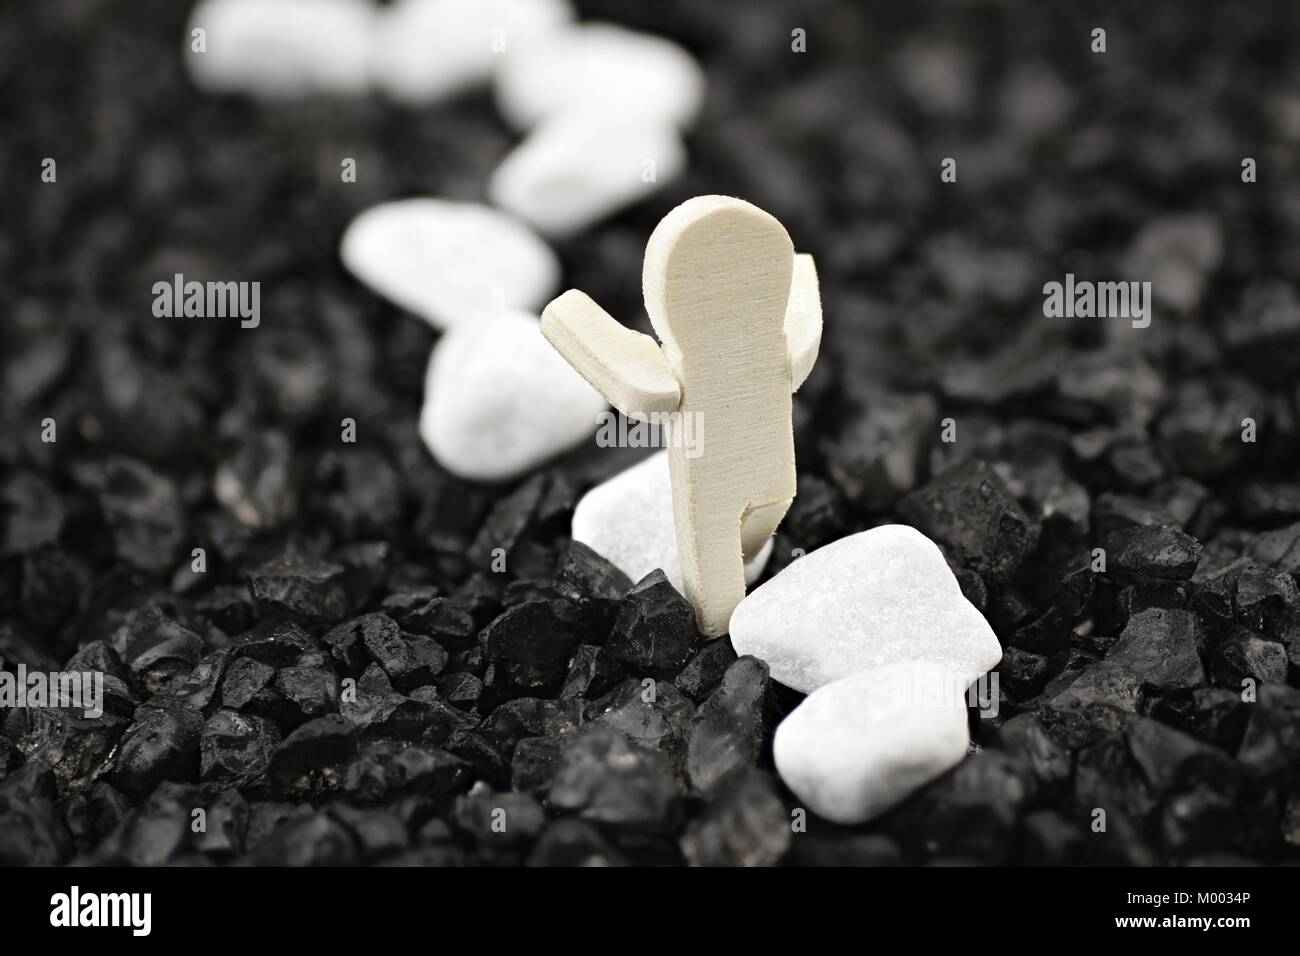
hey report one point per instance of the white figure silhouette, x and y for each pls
(739, 318)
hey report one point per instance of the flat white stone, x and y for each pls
(424, 51)
(280, 48)
(883, 596)
(498, 400)
(449, 262)
(858, 746)
(629, 521)
(599, 66)
(575, 168)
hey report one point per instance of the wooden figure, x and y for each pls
(738, 316)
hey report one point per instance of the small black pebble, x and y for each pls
(607, 779)
(969, 511)
(655, 629)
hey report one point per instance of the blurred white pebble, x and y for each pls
(423, 51)
(448, 262)
(279, 48)
(600, 67)
(576, 168)
(628, 520)
(499, 401)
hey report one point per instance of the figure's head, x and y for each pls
(716, 267)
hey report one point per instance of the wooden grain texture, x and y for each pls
(622, 364)
(738, 316)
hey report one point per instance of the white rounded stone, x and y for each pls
(599, 66)
(449, 262)
(878, 597)
(280, 48)
(629, 521)
(858, 746)
(576, 168)
(424, 51)
(499, 401)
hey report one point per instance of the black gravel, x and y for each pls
(341, 675)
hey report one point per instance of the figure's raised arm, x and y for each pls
(624, 365)
(803, 319)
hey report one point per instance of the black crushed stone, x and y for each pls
(348, 680)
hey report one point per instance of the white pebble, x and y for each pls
(576, 168)
(423, 51)
(498, 400)
(883, 596)
(598, 66)
(629, 521)
(280, 48)
(449, 262)
(856, 747)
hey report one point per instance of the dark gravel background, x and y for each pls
(329, 561)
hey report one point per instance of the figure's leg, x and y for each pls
(758, 524)
(713, 572)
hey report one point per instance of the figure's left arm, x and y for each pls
(803, 320)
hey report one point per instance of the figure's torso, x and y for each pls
(741, 410)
